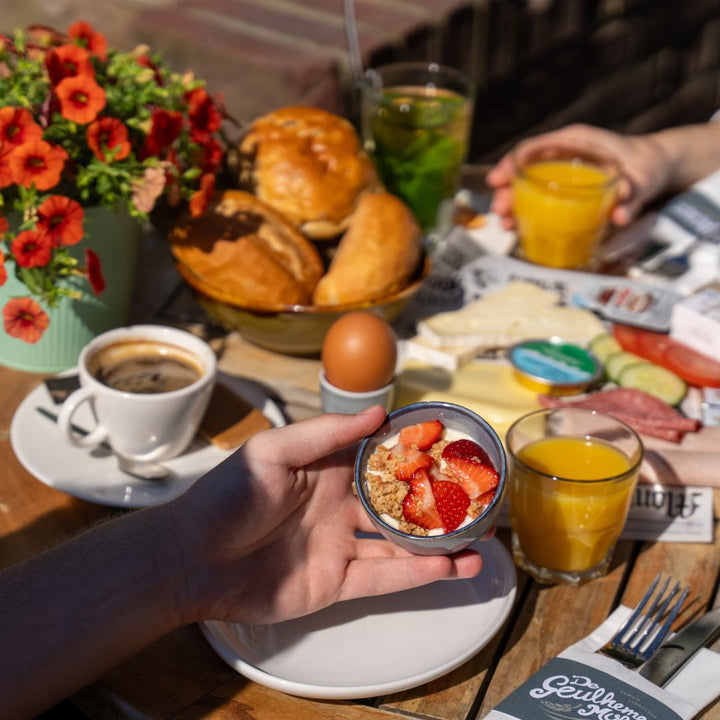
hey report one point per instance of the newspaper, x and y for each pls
(680, 243)
(466, 267)
(671, 513)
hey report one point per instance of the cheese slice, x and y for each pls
(488, 388)
(520, 311)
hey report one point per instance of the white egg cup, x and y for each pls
(335, 400)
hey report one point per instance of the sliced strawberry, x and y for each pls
(422, 435)
(409, 460)
(419, 504)
(475, 479)
(467, 449)
(486, 498)
(452, 503)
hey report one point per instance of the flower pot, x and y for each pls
(115, 237)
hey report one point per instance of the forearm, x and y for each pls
(692, 153)
(71, 614)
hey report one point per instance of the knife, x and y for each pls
(677, 650)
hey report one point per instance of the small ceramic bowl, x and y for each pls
(453, 417)
(336, 400)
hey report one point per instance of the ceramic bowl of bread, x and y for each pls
(307, 235)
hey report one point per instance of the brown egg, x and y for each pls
(359, 352)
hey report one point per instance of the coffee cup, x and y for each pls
(148, 387)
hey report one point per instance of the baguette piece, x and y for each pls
(376, 257)
(244, 252)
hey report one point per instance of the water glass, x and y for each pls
(416, 127)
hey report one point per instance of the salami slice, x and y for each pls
(645, 413)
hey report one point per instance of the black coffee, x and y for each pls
(143, 366)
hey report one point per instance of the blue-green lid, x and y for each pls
(555, 366)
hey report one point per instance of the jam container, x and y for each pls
(554, 367)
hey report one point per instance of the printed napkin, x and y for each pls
(580, 683)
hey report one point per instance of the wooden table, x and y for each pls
(181, 676)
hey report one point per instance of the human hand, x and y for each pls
(644, 168)
(269, 534)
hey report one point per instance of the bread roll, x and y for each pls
(243, 252)
(309, 165)
(376, 257)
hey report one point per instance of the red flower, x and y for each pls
(3, 269)
(23, 318)
(94, 271)
(205, 118)
(201, 198)
(164, 130)
(17, 126)
(81, 99)
(4, 225)
(31, 248)
(61, 219)
(210, 157)
(86, 36)
(108, 133)
(37, 162)
(67, 61)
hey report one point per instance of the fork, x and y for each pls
(643, 632)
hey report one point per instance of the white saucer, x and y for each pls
(374, 646)
(93, 474)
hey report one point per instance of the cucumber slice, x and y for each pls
(602, 346)
(655, 380)
(617, 362)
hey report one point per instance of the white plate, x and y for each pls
(374, 646)
(93, 474)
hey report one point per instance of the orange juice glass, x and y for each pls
(572, 476)
(562, 202)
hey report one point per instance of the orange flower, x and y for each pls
(17, 126)
(108, 133)
(61, 219)
(94, 271)
(86, 36)
(81, 99)
(6, 177)
(23, 318)
(31, 248)
(37, 163)
(3, 269)
(201, 198)
(67, 61)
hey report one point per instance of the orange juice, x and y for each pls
(569, 525)
(562, 208)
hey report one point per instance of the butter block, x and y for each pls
(695, 322)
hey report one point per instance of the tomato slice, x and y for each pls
(692, 366)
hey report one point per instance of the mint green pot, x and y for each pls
(115, 237)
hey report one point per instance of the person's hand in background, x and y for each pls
(650, 165)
